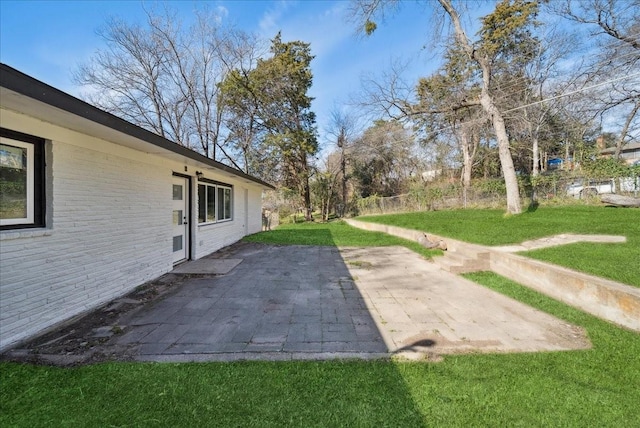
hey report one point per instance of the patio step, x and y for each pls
(464, 259)
(609, 300)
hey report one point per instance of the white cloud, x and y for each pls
(324, 29)
(269, 23)
(222, 11)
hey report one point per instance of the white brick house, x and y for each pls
(92, 206)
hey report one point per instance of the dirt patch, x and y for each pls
(81, 340)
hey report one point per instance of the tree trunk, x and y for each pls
(535, 148)
(486, 100)
(308, 216)
(625, 129)
(469, 147)
(534, 132)
(506, 161)
(466, 173)
(344, 184)
(306, 189)
(535, 171)
(327, 202)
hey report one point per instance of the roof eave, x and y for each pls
(27, 86)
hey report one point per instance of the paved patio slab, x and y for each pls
(562, 239)
(420, 308)
(303, 302)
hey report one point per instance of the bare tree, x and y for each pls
(445, 111)
(498, 38)
(383, 158)
(528, 98)
(618, 19)
(324, 185)
(342, 130)
(165, 77)
(614, 28)
(388, 94)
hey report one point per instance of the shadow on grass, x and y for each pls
(533, 207)
(280, 299)
(278, 394)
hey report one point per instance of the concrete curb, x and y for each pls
(261, 356)
(609, 300)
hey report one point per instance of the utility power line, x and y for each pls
(566, 94)
(412, 138)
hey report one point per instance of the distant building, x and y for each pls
(630, 153)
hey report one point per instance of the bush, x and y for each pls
(490, 187)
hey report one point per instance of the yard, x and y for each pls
(596, 387)
(618, 262)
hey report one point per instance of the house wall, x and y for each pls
(212, 237)
(108, 229)
(630, 156)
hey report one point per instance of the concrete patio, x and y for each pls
(302, 302)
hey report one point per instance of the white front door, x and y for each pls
(181, 219)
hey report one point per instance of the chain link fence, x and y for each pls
(550, 189)
(491, 193)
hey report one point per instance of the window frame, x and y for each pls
(218, 189)
(36, 190)
(224, 205)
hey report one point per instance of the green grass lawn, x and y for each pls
(335, 233)
(620, 262)
(597, 387)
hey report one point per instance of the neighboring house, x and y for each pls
(92, 206)
(630, 152)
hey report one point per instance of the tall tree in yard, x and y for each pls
(272, 101)
(164, 76)
(342, 130)
(443, 104)
(383, 159)
(523, 85)
(501, 32)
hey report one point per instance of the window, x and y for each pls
(224, 204)
(21, 180)
(214, 202)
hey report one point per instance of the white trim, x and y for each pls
(218, 201)
(29, 219)
(7, 235)
(181, 229)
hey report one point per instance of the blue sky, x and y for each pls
(48, 39)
